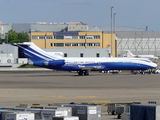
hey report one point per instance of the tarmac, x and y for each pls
(50, 87)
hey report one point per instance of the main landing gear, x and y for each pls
(83, 72)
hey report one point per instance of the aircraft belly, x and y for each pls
(102, 66)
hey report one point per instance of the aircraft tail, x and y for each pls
(129, 54)
(34, 53)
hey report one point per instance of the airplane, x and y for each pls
(81, 65)
(129, 54)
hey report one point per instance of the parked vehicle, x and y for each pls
(156, 71)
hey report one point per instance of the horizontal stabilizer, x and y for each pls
(27, 44)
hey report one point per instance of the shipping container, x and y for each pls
(145, 112)
(19, 116)
(85, 112)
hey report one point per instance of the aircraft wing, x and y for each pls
(91, 67)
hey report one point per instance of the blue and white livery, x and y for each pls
(82, 65)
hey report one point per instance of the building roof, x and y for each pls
(138, 34)
(117, 29)
(48, 27)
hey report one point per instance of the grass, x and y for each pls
(28, 66)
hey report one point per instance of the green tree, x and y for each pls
(14, 37)
(23, 37)
(1, 40)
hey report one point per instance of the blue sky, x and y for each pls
(129, 13)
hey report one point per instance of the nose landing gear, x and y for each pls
(83, 72)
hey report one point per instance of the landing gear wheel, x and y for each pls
(86, 73)
(80, 73)
(83, 72)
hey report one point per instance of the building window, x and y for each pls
(81, 37)
(97, 55)
(67, 44)
(88, 44)
(42, 37)
(51, 44)
(35, 37)
(97, 37)
(48, 37)
(65, 54)
(74, 44)
(68, 37)
(96, 44)
(74, 37)
(81, 44)
(81, 54)
(89, 37)
(59, 44)
(58, 37)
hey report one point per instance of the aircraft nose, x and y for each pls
(154, 65)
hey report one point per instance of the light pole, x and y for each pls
(45, 41)
(114, 21)
(85, 40)
(7, 43)
(111, 29)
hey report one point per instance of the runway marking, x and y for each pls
(101, 101)
(6, 92)
(86, 96)
(50, 96)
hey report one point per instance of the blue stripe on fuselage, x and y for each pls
(108, 66)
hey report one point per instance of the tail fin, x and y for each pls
(129, 54)
(33, 52)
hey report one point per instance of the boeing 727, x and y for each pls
(81, 65)
(129, 54)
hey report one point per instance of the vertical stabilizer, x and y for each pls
(33, 52)
(129, 54)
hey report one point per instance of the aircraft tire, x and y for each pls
(143, 73)
(86, 73)
(80, 73)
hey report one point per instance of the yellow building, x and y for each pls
(75, 40)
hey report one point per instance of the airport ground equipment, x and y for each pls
(145, 112)
(42, 112)
(156, 71)
(149, 71)
(119, 108)
(85, 112)
(125, 116)
(114, 71)
(57, 108)
(16, 115)
(66, 118)
(19, 116)
(152, 102)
